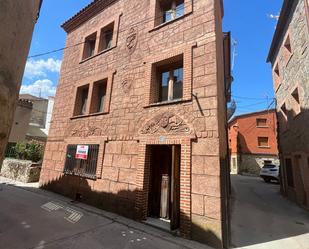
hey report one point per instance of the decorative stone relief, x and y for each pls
(126, 85)
(85, 131)
(131, 41)
(166, 123)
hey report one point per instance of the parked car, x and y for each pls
(270, 172)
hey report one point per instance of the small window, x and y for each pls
(98, 96)
(167, 85)
(276, 75)
(106, 37)
(296, 102)
(287, 53)
(261, 122)
(171, 9)
(82, 167)
(289, 172)
(89, 47)
(287, 44)
(81, 100)
(284, 110)
(263, 142)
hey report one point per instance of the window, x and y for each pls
(81, 100)
(289, 172)
(169, 10)
(171, 85)
(167, 84)
(295, 102)
(172, 9)
(284, 110)
(287, 49)
(106, 37)
(263, 142)
(89, 47)
(268, 162)
(80, 167)
(98, 96)
(276, 76)
(261, 122)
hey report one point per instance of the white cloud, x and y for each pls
(41, 88)
(40, 68)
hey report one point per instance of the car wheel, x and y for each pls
(266, 179)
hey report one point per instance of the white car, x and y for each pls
(270, 172)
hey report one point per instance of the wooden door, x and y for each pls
(175, 187)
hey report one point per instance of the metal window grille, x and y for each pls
(84, 168)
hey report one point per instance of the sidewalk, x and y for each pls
(91, 219)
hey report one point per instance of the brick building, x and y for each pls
(144, 86)
(289, 57)
(253, 141)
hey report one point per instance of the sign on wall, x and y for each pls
(82, 152)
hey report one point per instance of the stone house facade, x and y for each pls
(253, 141)
(289, 57)
(143, 91)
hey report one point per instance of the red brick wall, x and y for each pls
(245, 129)
(123, 172)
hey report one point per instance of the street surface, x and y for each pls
(31, 218)
(263, 219)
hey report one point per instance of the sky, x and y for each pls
(250, 23)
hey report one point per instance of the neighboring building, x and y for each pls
(32, 119)
(17, 23)
(289, 57)
(40, 120)
(253, 141)
(143, 90)
(21, 121)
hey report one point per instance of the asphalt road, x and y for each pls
(42, 220)
(262, 218)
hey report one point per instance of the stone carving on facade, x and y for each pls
(85, 131)
(131, 41)
(166, 122)
(126, 85)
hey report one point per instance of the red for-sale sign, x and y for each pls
(82, 152)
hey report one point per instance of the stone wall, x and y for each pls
(17, 19)
(252, 164)
(21, 170)
(293, 122)
(130, 122)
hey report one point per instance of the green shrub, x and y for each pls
(29, 151)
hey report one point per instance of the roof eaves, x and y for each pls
(251, 114)
(85, 14)
(284, 15)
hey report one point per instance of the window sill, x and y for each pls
(278, 87)
(288, 59)
(264, 147)
(89, 115)
(86, 176)
(169, 22)
(99, 53)
(171, 102)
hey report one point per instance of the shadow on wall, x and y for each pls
(123, 203)
(293, 140)
(77, 188)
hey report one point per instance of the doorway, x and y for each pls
(164, 186)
